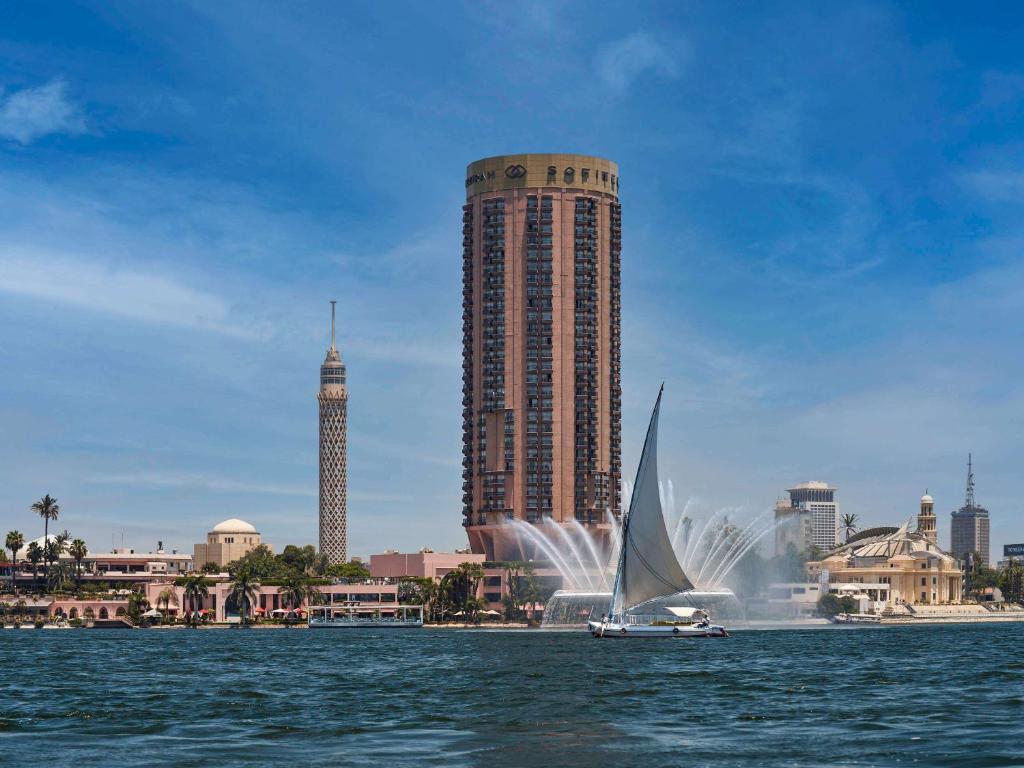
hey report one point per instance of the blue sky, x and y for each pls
(822, 249)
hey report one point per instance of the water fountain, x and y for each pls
(586, 563)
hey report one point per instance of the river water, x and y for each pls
(933, 695)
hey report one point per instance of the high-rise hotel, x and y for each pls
(541, 396)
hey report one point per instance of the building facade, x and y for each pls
(793, 527)
(229, 540)
(969, 527)
(809, 520)
(333, 400)
(541, 346)
(894, 567)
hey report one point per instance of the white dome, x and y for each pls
(926, 499)
(234, 525)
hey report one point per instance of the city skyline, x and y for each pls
(820, 259)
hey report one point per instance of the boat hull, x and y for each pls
(625, 631)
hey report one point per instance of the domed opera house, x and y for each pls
(894, 567)
(229, 540)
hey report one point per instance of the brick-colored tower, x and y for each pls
(541, 400)
(333, 399)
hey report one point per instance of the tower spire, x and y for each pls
(969, 503)
(333, 302)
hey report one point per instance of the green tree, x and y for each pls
(297, 589)
(58, 578)
(137, 605)
(303, 559)
(459, 587)
(352, 571)
(78, 551)
(848, 523)
(195, 590)
(48, 509)
(62, 540)
(51, 552)
(831, 604)
(416, 590)
(521, 589)
(210, 568)
(1011, 581)
(259, 563)
(245, 589)
(15, 541)
(34, 553)
(979, 577)
(167, 597)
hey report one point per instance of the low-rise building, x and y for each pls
(223, 607)
(227, 541)
(894, 566)
(423, 564)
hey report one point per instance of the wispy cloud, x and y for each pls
(996, 185)
(627, 59)
(218, 483)
(126, 292)
(31, 113)
(201, 481)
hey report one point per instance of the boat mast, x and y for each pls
(620, 572)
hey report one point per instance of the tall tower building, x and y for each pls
(333, 400)
(926, 522)
(969, 531)
(541, 392)
(815, 511)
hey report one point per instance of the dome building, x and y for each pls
(227, 541)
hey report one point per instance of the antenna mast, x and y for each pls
(970, 484)
(332, 322)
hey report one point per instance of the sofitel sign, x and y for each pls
(517, 171)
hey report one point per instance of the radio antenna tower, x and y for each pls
(969, 503)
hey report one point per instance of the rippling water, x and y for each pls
(936, 695)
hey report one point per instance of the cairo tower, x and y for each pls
(333, 400)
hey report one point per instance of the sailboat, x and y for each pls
(648, 568)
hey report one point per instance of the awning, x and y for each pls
(687, 612)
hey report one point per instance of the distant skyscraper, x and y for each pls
(809, 520)
(541, 393)
(969, 531)
(333, 399)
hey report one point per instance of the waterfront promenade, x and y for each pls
(452, 698)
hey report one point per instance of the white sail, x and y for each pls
(648, 566)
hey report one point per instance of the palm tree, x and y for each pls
(58, 578)
(51, 552)
(166, 597)
(245, 589)
(15, 541)
(78, 551)
(34, 553)
(195, 590)
(848, 523)
(137, 603)
(297, 589)
(48, 509)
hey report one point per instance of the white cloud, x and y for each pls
(30, 113)
(996, 185)
(199, 480)
(625, 60)
(109, 289)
